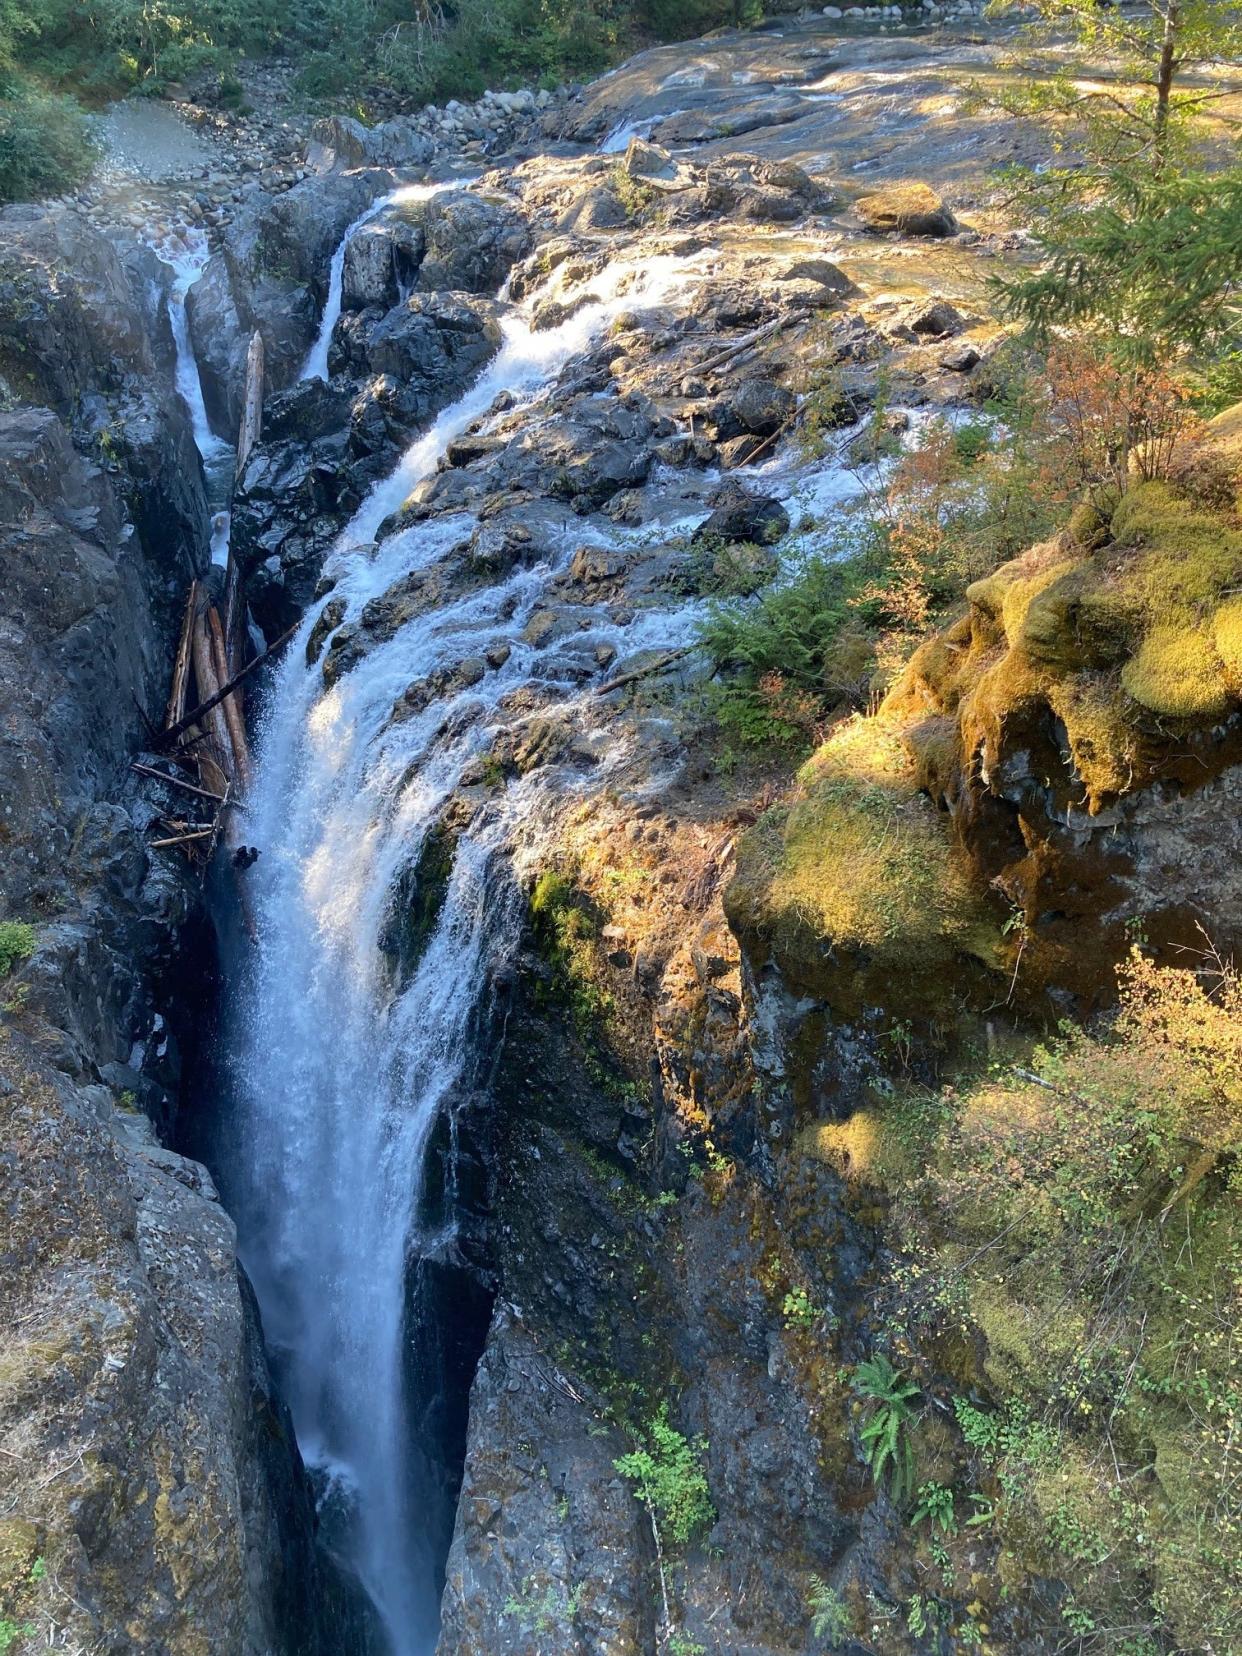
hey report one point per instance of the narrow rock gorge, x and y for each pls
(536, 1133)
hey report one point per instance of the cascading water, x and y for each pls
(342, 1072)
(316, 364)
(187, 256)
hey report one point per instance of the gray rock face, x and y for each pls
(271, 275)
(79, 646)
(381, 263)
(763, 406)
(69, 323)
(433, 345)
(139, 1422)
(554, 1532)
(471, 242)
(146, 1457)
(323, 445)
(219, 339)
(455, 241)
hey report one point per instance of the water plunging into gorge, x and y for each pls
(344, 1053)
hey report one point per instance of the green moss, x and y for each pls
(1088, 527)
(1227, 637)
(860, 866)
(1021, 593)
(1177, 672)
(1189, 556)
(418, 898)
(1099, 721)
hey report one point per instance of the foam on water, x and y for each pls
(343, 1066)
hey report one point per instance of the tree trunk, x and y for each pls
(231, 704)
(181, 662)
(1165, 76)
(212, 719)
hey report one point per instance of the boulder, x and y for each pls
(471, 242)
(738, 515)
(433, 345)
(762, 406)
(960, 359)
(931, 319)
(821, 271)
(381, 262)
(907, 209)
(644, 160)
(339, 142)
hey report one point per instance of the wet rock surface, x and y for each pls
(635, 1196)
(154, 1498)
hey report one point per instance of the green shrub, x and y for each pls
(789, 655)
(17, 940)
(830, 1615)
(670, 1479)
(46, 145)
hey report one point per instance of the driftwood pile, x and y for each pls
(201, 749)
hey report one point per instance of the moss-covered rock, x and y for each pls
(856, 889)
(1177, 671)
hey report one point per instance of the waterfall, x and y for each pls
(341, 1072)
(187, 256)
(316, 364)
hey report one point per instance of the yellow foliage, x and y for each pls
(1178, 673)
(1227, 637)
(850, 1146)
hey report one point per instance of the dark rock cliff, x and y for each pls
(153, 1497)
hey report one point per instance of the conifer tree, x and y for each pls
(1140, 214)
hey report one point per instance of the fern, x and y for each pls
(885, 1438)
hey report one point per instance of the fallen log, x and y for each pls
(196, 714)
(177, 782)
(182, 839)
(644, 672)
(181, 661)
(739, 346)
(208, 714)
(234, 717)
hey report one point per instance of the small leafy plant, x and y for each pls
(885, 1437)
(17, 940)
(670, 1480)
(830, 1615)
(935, 1507)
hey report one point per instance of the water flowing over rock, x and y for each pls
(538, 1102)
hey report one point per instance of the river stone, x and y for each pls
(931, 319)
(908, 209)
(739, 515)
(822, 271)
(763, 406)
